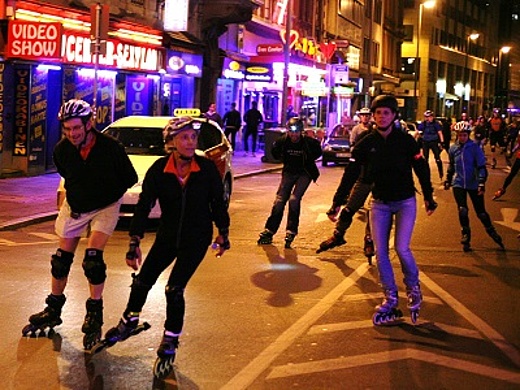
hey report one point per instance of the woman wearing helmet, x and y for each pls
(388, 157)
(97, 172)
(467, 174)
(298, 153)
(191, 195)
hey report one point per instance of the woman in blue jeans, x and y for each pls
(388, 157)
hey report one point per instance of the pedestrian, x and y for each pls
(388, 156)
(190, 192)
(467, 175)
(497, 133)
(432, 139)
(253, 118)
(298, 153)
(512, 174)
(97, 172)
(480, 132)
(364, 115)
(232, 122)
(213, 114)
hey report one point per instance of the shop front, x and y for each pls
(49, 60)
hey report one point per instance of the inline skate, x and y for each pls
(491, 231)
(500, 192)
(128, 326)
(289, 238)
(165, 356)
(465, 239)
(93, 323)
(414, 296)
(368, 248)
(388, 312)
(46, 319)
(332, 242)
(266, 237)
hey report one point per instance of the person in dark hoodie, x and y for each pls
(298, 153)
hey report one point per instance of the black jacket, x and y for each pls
(186, 213)
(311, 150)
(388, 164)
(98, 181)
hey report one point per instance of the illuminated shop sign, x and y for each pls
(76, 49)
(49, 41)
(184, 63)
(259, 72)
(269, 49)
(176, 15)
(233, 70)
(33, 40)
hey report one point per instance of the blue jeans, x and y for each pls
(292, 187)
(381, 218)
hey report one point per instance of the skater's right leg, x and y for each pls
(465, 239)
(338, 236)
(388, 310)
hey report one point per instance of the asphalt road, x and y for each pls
(263, 317)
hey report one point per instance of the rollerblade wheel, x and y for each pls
(414, 315)
(90, 340)
(29, 328)
(163, 367)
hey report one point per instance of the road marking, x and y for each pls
(393, 356)
(509, 219)
(50, 239)
(343, 326)
(490, 333)
(47, 236)
(249, 373)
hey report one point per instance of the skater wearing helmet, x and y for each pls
(298, 153)
(497, 133)
(97, 172)
(512, 174)
(388, 157)
(467, 175)
(191, 195)
(432, 139)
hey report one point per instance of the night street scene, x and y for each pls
(260, 194)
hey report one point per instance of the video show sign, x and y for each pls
(34, 40)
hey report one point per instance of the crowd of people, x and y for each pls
(384, 160)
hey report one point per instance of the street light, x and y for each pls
(426, 4)
(467, 72)
(503, 76)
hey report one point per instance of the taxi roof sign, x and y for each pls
(186, 112)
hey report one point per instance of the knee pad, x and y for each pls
(174, 293)
(463, 212)
(484, 218)
(94, 266)
(139, 285)
(60, 264)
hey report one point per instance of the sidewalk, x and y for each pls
(28, 200)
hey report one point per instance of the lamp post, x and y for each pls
(425, 4)
(467, 72)
(503, 76)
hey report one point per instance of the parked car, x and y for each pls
(336, 145)
(143, 140)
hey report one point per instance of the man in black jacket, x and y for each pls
(191, 195)
(298, 153)
(97, 173)
(232, 123)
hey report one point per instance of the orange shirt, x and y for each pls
(171, 168)
(85, 150)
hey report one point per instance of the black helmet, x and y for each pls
(294, 125)
(75, 108)
(387, 101)
(176, 125)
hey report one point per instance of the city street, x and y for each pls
(265, 317)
